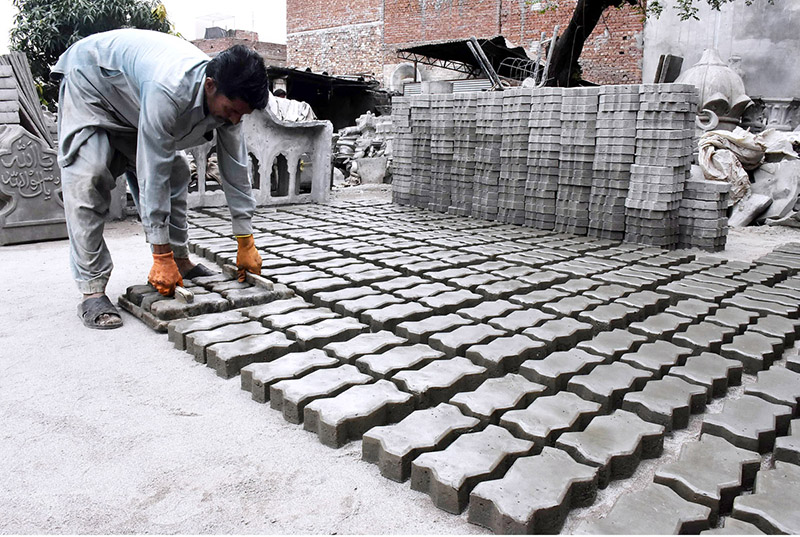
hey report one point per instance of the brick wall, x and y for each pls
(612, 55)
(273, 53)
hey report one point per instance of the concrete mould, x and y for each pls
(289, 162)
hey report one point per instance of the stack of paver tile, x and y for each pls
(576, 160)
(489, 131)
(442, 147)
(466, 109)
(422, 163)
(703, 214)
(544, 147)
(519, 407)
(514, 156)
(664, 130)
(402, 150)
(9, 96)
(614, 155)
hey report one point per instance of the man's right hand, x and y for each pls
(164, 275)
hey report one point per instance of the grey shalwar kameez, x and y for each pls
(129, 101)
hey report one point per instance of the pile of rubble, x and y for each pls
(363, 153)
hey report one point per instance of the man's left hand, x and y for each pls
(247, 257)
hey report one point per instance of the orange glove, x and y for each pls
(247, 258)
(164, 275)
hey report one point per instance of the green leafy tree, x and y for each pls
(44, 29)
(564, 68)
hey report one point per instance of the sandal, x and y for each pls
(91, 309)
(199, 271)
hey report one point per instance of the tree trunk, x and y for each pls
(564, 69)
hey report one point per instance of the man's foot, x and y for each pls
(96, 311)
(189, 270)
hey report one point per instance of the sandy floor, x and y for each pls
(118, 432)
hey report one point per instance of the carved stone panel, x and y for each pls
(31, 208)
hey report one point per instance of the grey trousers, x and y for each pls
(86, 186)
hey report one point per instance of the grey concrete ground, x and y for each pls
(118, 432)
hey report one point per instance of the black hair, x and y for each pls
(240, 73)
(279, 93)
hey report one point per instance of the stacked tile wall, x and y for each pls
(611, 162)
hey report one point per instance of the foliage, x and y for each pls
(44, 29)
(687, 8)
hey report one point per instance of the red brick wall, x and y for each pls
(612, 55)
(273, 53)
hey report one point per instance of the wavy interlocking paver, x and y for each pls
(777, 385)
(712, 371)
(228, 358)
(393, 447)
(456, 342)
(387, 363)
(520, 320)
(388, 317)
(783, 328)
(327, 331)
(328, 299)
(423, 290)
(712, 472)
(449, 476)
(787, 448)
(613, 344)
(555, 369)
(506, 353)
(347, 416)
(656, 510)
(534, 496)
(734, 317)
(363, 344)
(704, 337)
(772, 507)
(693, 308)
(420, 331)
(607, 384)
(668, 402)
(198, 342)
(258, 377)
(615, 443)
(547, 417)
(495, 396)
(756, 351)
(560, 334)
(658, 357)
(489, 309)
(297, 317)
(291, 396)
(536, 299)
(661, 326)
(750, 423)
(609, 316)
(440, 380)
(178, 330)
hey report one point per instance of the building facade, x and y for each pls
(363, 36)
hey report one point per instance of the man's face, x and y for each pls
(224, 109)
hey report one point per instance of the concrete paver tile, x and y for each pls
(393, 447)
(787, 448)
(291, 396)
(756, 351)
(347, 416)
(301, 316)
(198, 342)
(506, 354)
(763, 307)
(543, 421)
(397, 284)
(607, 384)
(389, 362)
(733, 526)
(473, 281)
(578, 285)
(777, 385)
(363, 344)
(536, 299)
(534, 496)
(355, 306)
(496, 396)
(228, 358)
(327, 331)
(660, 326)
(772, 507)
(712, 371)
(371, 276)
(560, 334)
(278, 307)
(609, 316)
(668, 402)
(449, 476)
(712, 472)
(544, 279)
(658, 357)
(423, 290)
(776, 326)
(555, 369)
(749, 423)
(328, 299)
(258, 377)
(649, 302)
(420, 331)
(456, 342)
(656, 510)
(704, 337)
(570, 306)
(440, 380)
(309, 288)
(178, 330)
(613, 344)
(693, 308)
(388, 317)
(734, 317)
(450, 301)
(489, 309)
(615, 443)
(520, 320)
(171, 309)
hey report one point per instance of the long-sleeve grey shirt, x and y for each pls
(150, 84)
